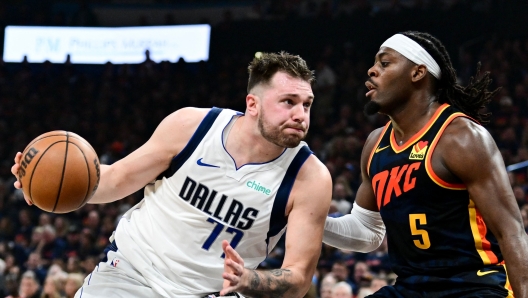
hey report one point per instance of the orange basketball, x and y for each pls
(59, 171)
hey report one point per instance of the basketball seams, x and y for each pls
(36, 164)
(82, 140)
(60, 194)
(63, 170)
(89, 176)
(44, 137)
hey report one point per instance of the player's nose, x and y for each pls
(372, 72)
(299, 113)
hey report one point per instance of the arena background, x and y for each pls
(117, 107)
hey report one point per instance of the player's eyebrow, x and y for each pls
(296, 95)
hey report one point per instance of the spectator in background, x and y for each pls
(364, 292)
(342, 197)
(520, 195)
(53, 287)
(73, 282)
(342, 290)
(327, 283)
(378, 259)
(35, 265)
(377, 283)
(29, 286)
(524, 214)
(341, 272)
(361, 276)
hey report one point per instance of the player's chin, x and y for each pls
(291, 141)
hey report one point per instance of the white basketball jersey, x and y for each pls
(173, 236)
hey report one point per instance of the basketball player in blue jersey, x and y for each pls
(220, 189)
(437, 179)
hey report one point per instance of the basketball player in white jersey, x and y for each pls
(220, 189)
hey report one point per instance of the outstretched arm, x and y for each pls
(142, 166)
(469, 152)
(311, 196)
(362, 230)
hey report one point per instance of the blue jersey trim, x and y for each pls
(199, 134)
(278, 220)
(251, 163)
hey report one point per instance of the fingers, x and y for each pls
(225, 244)
(18, 157)
(226, 291)
(235, 267)
(229, 251)
(15, 168)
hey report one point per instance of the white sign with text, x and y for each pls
(98, 45)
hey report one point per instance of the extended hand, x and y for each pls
(14, 171)
(234, 271)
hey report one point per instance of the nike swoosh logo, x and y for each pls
(200, 163)
(480, 273)
(380, 149)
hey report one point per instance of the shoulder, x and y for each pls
(312, 187)
(371, 141)
(176, 129)
(314, 170)
(465, 135)
(466, 148)
(186, 117)
(373, 138)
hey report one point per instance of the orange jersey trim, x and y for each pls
(376, 146)
(419, 134)
(507, 285)
(428, 157)
(478, 229)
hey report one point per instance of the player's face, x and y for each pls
(341, 293)
(284, 116)
(389, 79)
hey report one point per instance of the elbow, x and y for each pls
(303, 287)
(375, 242)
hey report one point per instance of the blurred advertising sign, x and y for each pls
(98, 45)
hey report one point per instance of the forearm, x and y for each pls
(360, 231)
(275, 283)
(108, 189)
(515, 252)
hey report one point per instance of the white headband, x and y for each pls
(414, 52)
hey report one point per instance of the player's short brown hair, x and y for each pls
(265, 65)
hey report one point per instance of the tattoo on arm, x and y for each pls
(270, 283)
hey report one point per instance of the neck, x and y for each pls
(412, 116)
(246, 144)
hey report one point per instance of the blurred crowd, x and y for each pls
(117, 107)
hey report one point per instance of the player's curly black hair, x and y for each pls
(265, 65)
(469, 99)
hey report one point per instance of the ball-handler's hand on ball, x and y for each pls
(235, 275)
(14, 171)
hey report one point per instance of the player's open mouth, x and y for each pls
(371, 87)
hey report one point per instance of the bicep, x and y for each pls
(143, 165)
(484, 174)
(365, 196)
(306, 222)
(169, 139)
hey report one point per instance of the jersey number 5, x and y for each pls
(414, 221)
(219, 227)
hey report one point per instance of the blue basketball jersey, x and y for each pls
(434, 230)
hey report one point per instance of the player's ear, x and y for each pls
(252, 101)
(418, 72)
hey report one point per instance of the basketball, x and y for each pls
(59, 171)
